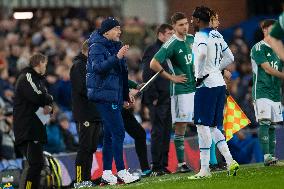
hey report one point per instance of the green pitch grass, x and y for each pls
(249, 177)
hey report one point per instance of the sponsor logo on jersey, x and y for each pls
(268, 54)
(180, 51)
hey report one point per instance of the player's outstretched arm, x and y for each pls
(271, 71)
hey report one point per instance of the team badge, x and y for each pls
(86, 124)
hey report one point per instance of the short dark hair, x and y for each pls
(203, 13)
(177, 16)
(266, 23)
(163, 27)
(36, 59)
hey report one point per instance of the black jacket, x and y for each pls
(82, 108)
(160, 89)
(30, 94)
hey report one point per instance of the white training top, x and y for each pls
(211, 55)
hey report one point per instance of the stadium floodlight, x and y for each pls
(23, 15)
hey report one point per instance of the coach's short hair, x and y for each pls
(36, 59)
(163, 27)
(266, 23)
(177, 16)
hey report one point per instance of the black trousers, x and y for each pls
(137, 132)
(88, 140)
(160, 116)
(33, 151)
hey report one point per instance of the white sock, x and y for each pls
(224, 149)
(204, 160)
(204, 140)
(221, 143)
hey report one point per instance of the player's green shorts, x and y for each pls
(277, 32)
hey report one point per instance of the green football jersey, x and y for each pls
(278, 28)
(178, 54)
(265, 85)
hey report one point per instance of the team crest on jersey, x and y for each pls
(180, 51)
(86, 124)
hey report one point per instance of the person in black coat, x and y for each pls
(85, 114)
(30, 132)
(157, 99)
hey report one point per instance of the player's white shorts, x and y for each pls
(267, 109)
(182, 107)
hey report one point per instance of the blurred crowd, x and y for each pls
(60, 38)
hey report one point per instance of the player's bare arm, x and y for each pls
(156, 66)
(271, 71)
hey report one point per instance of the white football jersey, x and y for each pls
(211, 55)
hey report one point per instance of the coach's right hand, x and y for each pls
(178, 78)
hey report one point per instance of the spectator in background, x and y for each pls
(63, 87)
(69, 140)
(245, 147)
(55, 140)
(239, 46)
(7, 150)
(157, 99)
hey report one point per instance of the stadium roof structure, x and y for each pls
(59, 3)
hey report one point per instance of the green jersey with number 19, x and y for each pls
(178, 54)
(264, 84)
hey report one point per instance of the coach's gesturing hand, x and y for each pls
(122, 51)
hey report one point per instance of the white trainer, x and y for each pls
(108, 178)
(126, 177)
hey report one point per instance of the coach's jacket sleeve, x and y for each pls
(33, 93)
(101, 62)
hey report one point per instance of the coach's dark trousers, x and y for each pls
(33, 151)
(160, 136)
(88, 141)
(136, 131)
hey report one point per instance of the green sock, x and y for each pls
(264, 137)
(179, 144)
(272, 140)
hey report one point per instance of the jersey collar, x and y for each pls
(266, 43)
(179, 39)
